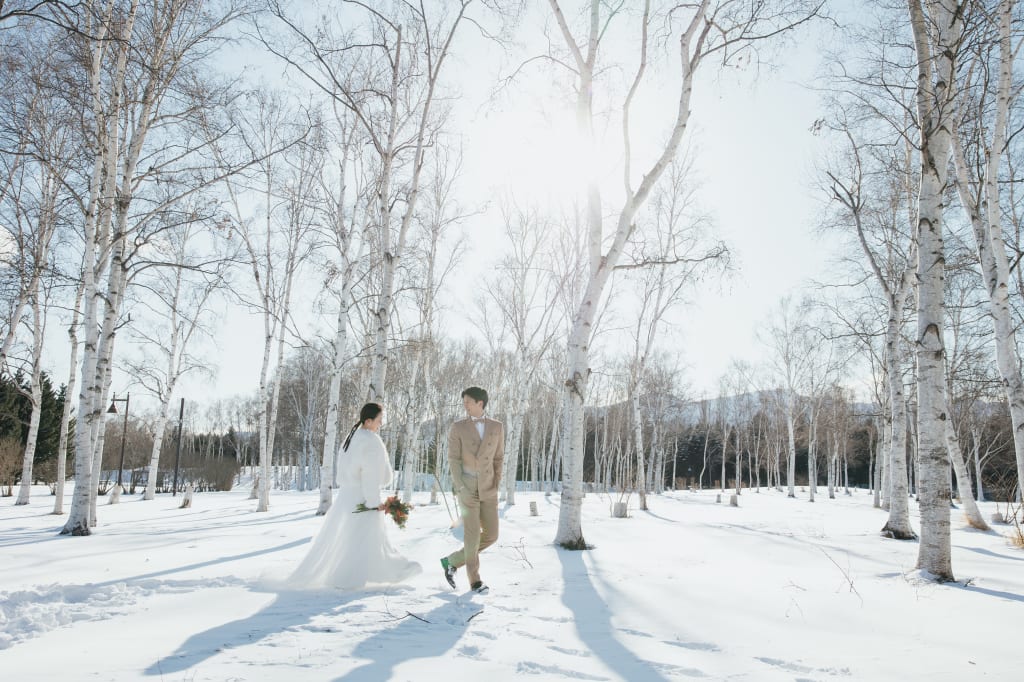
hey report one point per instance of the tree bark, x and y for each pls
(936, 79)
(35, 397)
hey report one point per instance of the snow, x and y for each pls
(776, 589)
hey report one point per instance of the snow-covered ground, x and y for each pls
(776, 589)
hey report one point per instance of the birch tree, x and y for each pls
(178, 295)
(41, 147)
(818, 379)
(35, 395)
(39, 151)
(437, 256)
(703, 31)
(968, 361)
(524, 291)
(140, 67)
(668, 257)
(305, 387)
(872, 185)
(61, 13)
(790, 341)
(347, 217)
(385, 66)
(275, 239)
(65, 420)
(980, 142)
(938, 34)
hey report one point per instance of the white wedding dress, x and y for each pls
(352, 550)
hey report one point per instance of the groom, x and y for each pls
(476, 448)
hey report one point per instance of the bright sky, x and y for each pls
(755, 154)
(750, 132)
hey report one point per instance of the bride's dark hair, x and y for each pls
(368, 413)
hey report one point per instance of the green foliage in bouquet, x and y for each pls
(393, 507)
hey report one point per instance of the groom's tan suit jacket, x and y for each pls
(467, 452)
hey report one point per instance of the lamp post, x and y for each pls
(124, 430)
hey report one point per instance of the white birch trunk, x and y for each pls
(638, 438)
(165, 408)
(412, 426)
(976, 437)
(36, 399)
(329, 455)
(739, 460)
(725, 452)
(894, 471)
(95, 230)
(69, 392)
(264, 478)
(269, 424)
(570, 532)
(704, 461)
(812, 451)
(116, 283)
(393, 253)
(963, 481)
(833, 470)
(986, 221)
(791, 431)
(159, 427)
(515, 440)
(936, 76)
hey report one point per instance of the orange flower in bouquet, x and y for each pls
(393, 507)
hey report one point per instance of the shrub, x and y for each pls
(11, 454)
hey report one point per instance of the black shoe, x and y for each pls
(449, 572)
(479, 587)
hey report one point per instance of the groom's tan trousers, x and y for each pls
(479, 527)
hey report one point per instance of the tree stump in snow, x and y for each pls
(186, 501)
(533, 508)
(115, 494)
(619, 510)
(718, 498)
(734, 500)
(998, 518)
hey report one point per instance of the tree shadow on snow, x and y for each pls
(411, 639)
(288, 610)
(648, 512)
(993, 593)
(593, 622)
(989, 552)
(203, 564)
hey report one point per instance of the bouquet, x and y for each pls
(393, 507)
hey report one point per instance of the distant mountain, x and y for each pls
(690, 411)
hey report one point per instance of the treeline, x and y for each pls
(208, 461)
(15, 413)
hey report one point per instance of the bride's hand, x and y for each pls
(380, 507)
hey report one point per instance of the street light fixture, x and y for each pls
(124, 430)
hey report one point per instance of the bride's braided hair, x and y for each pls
(368, 413)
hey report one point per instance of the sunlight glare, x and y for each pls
(539, 159)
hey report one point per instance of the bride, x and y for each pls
(352, 549)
